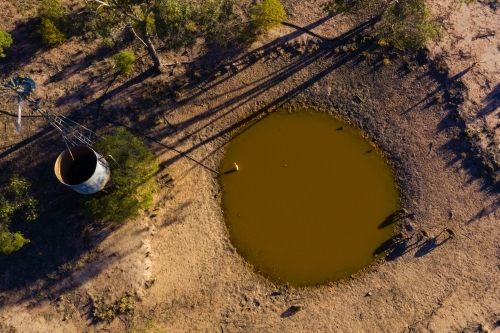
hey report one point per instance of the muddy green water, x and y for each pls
(311, 201)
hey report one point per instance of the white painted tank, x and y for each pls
(83, 170)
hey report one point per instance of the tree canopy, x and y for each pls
(14, 198)
(170, 23)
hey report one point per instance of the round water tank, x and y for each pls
(83, 170)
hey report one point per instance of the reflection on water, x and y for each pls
(311, 201)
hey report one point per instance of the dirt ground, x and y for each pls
(174, 268)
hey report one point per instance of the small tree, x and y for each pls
(14, 198)
(124, 62)
(134, 178)
(5, 41)
(52, 15)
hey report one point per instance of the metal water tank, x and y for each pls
(82, 169)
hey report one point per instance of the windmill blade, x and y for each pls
(19, 107)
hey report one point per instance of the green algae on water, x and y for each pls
(311, 199)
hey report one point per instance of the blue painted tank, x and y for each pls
(82, 169)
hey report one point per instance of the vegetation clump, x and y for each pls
(5, 41)
(172, 23)
(15, 198)
(49, 33)
(408, 24)
(175, 24)
(134, 178)
(267, 15)
(340, 6)
(124, 62)
(403, 23)
(51, 13)
(107, 312)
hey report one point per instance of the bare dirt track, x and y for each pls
(174, 267)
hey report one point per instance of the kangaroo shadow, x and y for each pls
(492, 102)
(393, 218)
(486, 211)
(290, 311)
(398, 246)
(395, 247)
(430, 245)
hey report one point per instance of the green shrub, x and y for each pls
(49, 33)
(53, 21)
(11, 242)
(15, 198)
(267, 15)
(134, 178)
(124, 62)
(5, 41)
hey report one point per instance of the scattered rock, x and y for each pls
(149, 283)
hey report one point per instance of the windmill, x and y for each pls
(79, 167)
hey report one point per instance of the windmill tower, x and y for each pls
(79, 167)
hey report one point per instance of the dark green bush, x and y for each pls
(134, 178)
(14, 198)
